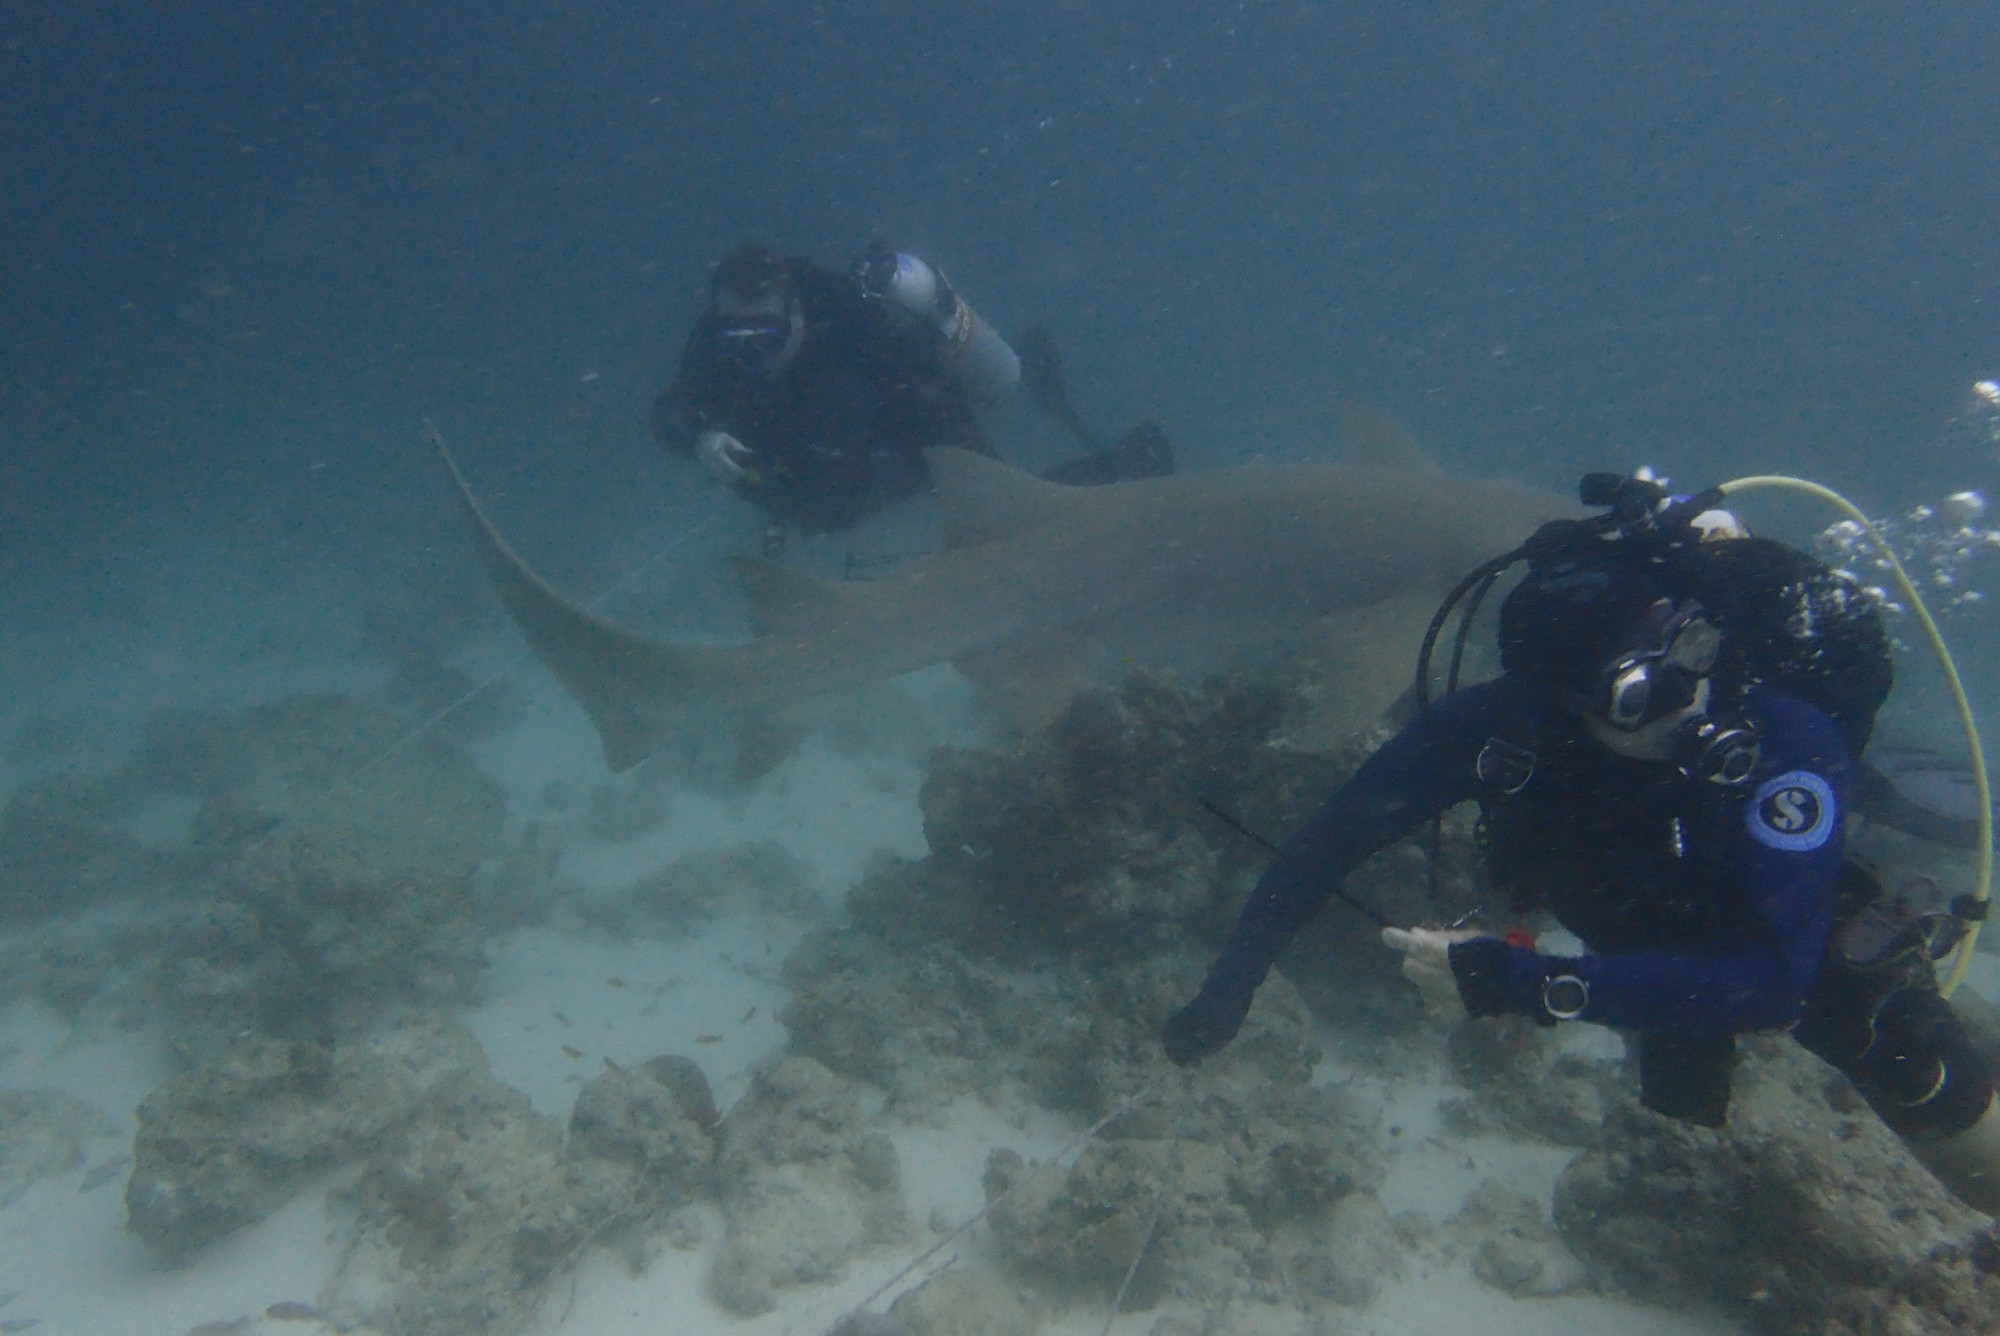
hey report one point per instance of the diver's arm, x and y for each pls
(691, 405)
(1424, 769)
(1788, 864)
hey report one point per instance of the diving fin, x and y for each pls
(1042, 376)
(1143, 452)
(1967, 1162)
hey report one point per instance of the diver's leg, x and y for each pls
(1687, 1076)
(1143, 452)
(1898, 1040)
(1968, 1161)
(1042, 377)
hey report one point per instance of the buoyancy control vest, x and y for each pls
(1633, 852)
(1628, 854)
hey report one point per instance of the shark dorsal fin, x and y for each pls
(784, 601)
(981, 500)
(1374, 435)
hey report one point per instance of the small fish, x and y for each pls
(708, 1039)
(105, 1172)
(559, 1016)
(569, 1052)
(19, 1324)
(290, 1311)
(748, 1016)
(615, 981)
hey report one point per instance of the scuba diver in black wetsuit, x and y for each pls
(815, 393)
(1664, 763)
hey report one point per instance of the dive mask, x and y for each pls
(1643, 686)
(756, 339)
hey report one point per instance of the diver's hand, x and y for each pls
(1427, 964)
(723, 456)
(1203, 1026)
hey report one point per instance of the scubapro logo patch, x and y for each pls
(1793, 812)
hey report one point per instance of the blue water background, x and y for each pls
(247, 247)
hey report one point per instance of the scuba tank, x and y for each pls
(979, 360)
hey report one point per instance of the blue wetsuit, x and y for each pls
(1699, 915)
(1706, 909)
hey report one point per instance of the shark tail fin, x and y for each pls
(632, 689)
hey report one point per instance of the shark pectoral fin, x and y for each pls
(787, 602)
(765, 738)
(1367, 659)
(981, 500)
(627, 729)
(1029, 683)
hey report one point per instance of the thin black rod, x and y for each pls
(1340, 894)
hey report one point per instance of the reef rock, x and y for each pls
(363, 898)
(224, 1145)
(805, 1186)
(1215, 1183)
(471, 1216)
(1343, 1259)
(654, 1124)
(61, 848)
(467, 1202)
(1956, 1292)
(1524, 1084)
(1131, 827)
(1091, 836)
(467, 1217)
(42, 1133)
(289, 870)
(1802, 1214)
(925, 1024)
(959, 1302)
(1075, 890)
(1514, 1245)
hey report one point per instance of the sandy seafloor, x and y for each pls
(558, 1002)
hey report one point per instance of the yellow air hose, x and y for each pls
(1961, 959)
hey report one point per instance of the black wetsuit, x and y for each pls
(840, 432)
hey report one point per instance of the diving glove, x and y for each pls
(725, 457)
(1203, 1026)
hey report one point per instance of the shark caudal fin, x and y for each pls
(632, 689)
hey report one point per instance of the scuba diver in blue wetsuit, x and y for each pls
(1664, 763)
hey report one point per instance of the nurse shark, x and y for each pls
(1037, 583)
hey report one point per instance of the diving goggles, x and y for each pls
(1643, 686)
(754, 340)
